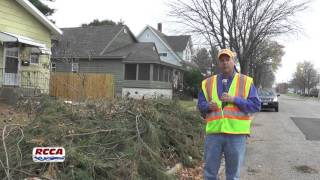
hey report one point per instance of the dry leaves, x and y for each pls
(195, 173)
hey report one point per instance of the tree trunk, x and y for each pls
(244, 65)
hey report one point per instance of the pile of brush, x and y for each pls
(115, 139)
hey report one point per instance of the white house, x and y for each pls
(176, 50)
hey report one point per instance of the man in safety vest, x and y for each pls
(227, 101)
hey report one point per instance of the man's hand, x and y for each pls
(227, 98)
(213, 106)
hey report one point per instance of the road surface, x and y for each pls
(278, 148)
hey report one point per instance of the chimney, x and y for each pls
(160, 27)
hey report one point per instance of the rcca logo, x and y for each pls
(48, 154)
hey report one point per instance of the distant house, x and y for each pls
(175, 50)
(136, 67)
(25, 47)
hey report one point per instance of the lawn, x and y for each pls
(189, 105)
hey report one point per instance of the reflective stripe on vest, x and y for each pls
(231, 119)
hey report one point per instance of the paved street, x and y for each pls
(278, 149)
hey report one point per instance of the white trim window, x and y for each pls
(34, 58)
(75, 67)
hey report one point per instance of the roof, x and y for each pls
(95, 42)
(10, 37)
(142, 52)
(137, 52)
(39, 16)
(88, 41)
(174, 44)
(178, 43)
(160, 34)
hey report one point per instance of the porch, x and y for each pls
(23, 66)
(24, 83)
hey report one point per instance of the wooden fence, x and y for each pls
(81, 86)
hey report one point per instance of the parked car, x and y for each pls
(314, 92)
(269, 99)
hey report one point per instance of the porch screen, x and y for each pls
(161, 73)
(166, 74)
(130, 72)
(170, 75)
(155, 72)
(144, 72)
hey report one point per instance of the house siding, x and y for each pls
(187, 53)
(15, 19)
(180, 54)
(160, 46)
(62, 66)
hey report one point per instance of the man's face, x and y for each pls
(225, 64)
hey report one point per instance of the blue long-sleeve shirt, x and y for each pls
(250, 105)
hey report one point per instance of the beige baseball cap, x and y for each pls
(227, 52)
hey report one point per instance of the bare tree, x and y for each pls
(305, 78)
(267, 60)
(239, 24)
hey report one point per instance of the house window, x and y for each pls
(34, 58)
(155, 72)
(166, 74)
(53, 67)
(144, 72)
(75, 67)
(125, 31)
(148, 35)
(130, 72)
(163, 54)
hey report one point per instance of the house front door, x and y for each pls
(11, 71)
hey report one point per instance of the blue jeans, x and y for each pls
(232, 146)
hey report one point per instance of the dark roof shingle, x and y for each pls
(142, 52)
(85, 41)
(178, 43)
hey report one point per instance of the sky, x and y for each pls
(139, 13)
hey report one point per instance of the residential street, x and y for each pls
(278, 149)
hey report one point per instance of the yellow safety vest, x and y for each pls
(230, 119)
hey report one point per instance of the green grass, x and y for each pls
(301, 97)
(189, 105)
(294, 95)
